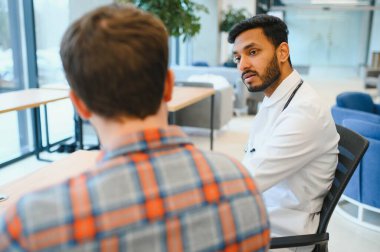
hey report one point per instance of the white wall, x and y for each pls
(79, 7)
(375, 36)
(327, 38)
(226, 48)
(206, 44)
(249, 5)
(52, 17)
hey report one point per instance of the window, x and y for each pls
(14, 126)
(21, 23)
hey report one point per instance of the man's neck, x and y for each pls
(110, 131)
(286, 71)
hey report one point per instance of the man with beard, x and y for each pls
(292, 148)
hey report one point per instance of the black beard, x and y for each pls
(271, 76)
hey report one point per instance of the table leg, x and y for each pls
(212, 123)
(37, 132)
(38, 148)
(171, 118)
(46, 128)
(79, 130)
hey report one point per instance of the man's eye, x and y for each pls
(236, 59)
(252, 52)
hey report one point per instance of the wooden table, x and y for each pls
(31, 99)
(51, 174)
(57, 85)
(181, 98)
(186, 96)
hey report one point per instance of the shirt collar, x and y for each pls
(286, 87)
(147, 139)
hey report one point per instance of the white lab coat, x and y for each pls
(292, 155)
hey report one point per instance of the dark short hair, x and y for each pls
(116, 60)
(274, 28)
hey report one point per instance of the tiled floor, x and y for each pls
(345, 236)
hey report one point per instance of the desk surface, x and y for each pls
(182, 96)
(186, 96)
(58, 85)
(29, 98)
(54, 173)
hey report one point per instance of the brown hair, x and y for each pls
(116, 59)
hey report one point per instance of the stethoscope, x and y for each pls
(285, 106)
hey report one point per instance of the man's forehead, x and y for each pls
(248, 38)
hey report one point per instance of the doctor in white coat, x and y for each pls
(293, 144)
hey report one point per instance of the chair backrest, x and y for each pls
(364, 185)
(352, 147)
(356, 100)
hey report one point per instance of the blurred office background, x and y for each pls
(333, 44)
(327, 38)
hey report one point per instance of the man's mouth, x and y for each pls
(248, 75)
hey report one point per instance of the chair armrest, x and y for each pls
(377, 106)
(339, 114)
(364, 128)
(298, 240)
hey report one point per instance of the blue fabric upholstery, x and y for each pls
(339, 114)
(357, 101)
(357, 112)
(355, 105)
(364, 185)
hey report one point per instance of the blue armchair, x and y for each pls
(358, 101)
(355, 105)
(364, 186)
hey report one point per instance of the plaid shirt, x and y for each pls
(157, 192)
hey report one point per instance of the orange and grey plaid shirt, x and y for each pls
(157, 192)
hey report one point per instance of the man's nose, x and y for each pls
(244, 63)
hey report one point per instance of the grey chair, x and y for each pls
(198, 114)
(352, 147)
(233, 76)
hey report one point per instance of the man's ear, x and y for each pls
(80, 106)
(283, 52)
(169, 84)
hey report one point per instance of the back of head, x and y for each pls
(116, 59)
(274, 28)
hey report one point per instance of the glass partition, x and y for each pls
(330, 36)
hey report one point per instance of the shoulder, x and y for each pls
(43, 209)
(308, 98)
(238, 190)
(223, 164)
(307, 107)
(230, 173)
(308, 116)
